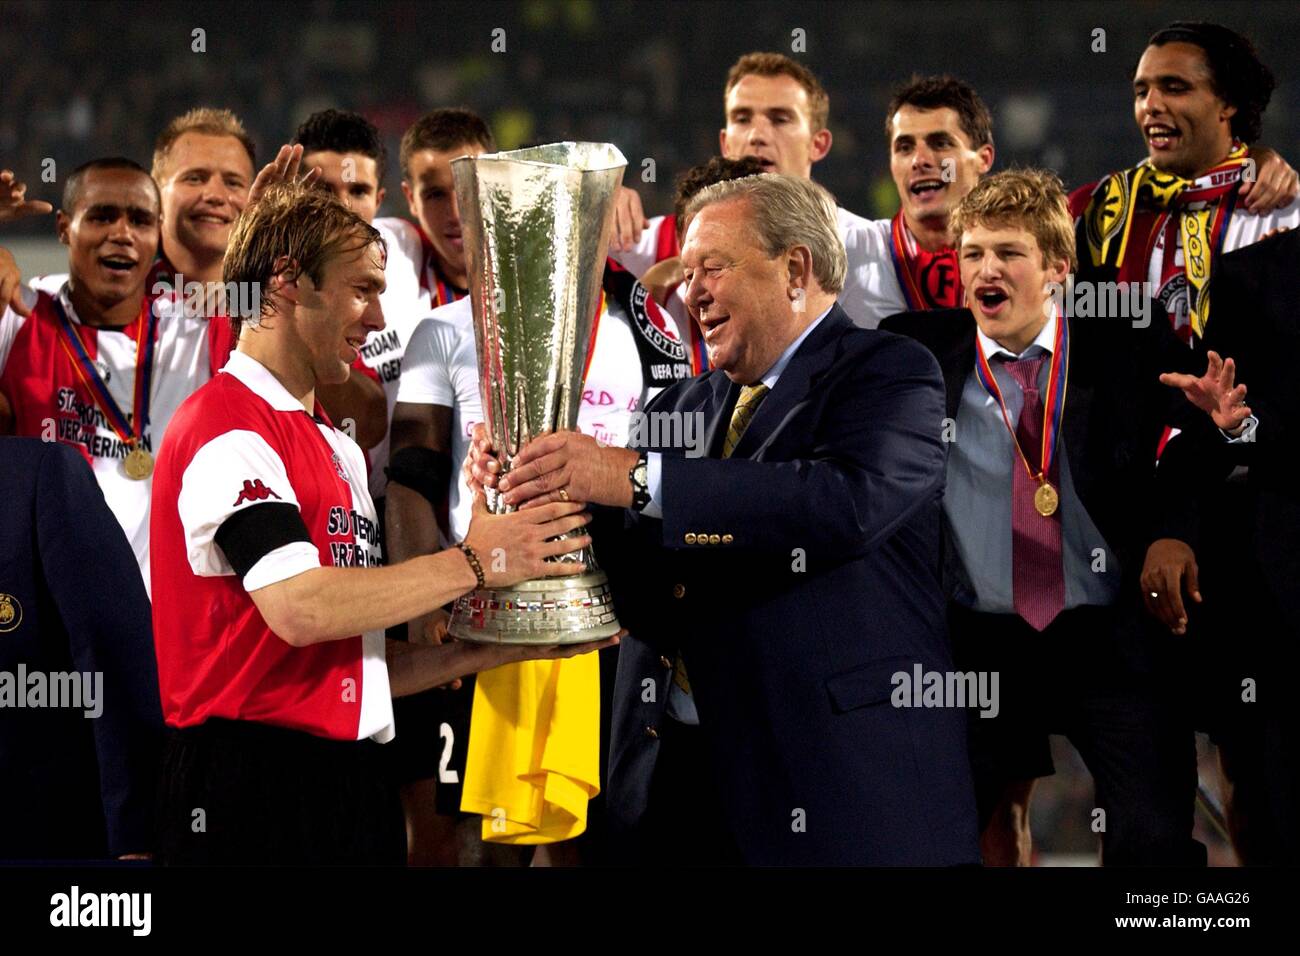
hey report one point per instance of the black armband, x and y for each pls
(424, 471)
(252, 533)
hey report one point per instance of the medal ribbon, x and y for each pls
(1058, 374)
(144, 346)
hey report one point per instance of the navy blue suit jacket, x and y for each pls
(71, 600)
(822, 584)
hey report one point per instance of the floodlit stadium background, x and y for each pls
(92, 79)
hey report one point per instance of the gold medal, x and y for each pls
(139, 464)
(1046, 499)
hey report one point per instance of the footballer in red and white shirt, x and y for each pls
(271, 607)
(95, 364)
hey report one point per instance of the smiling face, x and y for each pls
(331, 320)
(352, 177)
(431, 195)
(1006, 282)
(204, 188)
(769, 118)
(1187, 127)
(739, 296)
(111, 234)
(933, 162)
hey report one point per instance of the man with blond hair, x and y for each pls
(268, 549)
(1047, 493)
(775, 583)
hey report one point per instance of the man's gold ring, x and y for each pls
(564, 495)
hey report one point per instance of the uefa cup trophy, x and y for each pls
(536, 224)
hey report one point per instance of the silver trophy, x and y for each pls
(536, 224)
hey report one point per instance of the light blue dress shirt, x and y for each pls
(977, 499)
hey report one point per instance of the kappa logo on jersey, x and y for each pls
(654, 326)
(255, 491)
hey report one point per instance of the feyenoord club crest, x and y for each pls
(11, 613)
(658, 333)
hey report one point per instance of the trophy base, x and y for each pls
(547, 611)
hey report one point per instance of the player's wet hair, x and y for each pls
(444, 130)
(719, 169)
(937, 92)
(308, 226)
(72, 187)
(778, 64)
(342, 131)
(209, 122)
(1030, 199)
(1237, 75)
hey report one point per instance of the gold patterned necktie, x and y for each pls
(746, 406)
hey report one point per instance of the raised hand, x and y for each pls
(1214, 392)
(629, 220)
(11, 284)
(13, 202)
(283, 169)
(1276, 183)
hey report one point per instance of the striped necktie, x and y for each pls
(746, 406)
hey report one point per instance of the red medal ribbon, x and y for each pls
(89, 375)
(1053, 405)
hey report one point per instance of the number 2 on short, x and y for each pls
(448, 741)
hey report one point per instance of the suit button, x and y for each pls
(727, 539)
(679, 590)
(689, 538)
(715, 539)
(651, 732)
(665, 663)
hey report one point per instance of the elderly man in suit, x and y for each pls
(778, 576)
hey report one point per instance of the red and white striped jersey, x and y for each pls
(51, 400)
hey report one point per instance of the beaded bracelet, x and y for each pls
(474, 564)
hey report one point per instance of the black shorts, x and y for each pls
(431, 742)
(240, 793)
(1013, 745)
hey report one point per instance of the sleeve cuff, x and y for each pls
(1247, 433)
(654, 471)
(287, 561)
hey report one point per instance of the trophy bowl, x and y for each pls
(536, 224)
